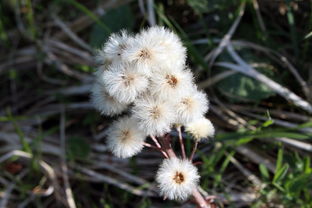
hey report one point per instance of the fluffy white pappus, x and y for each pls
(113, 48)
(105, 103)
(124, 83)
(177, 178)
(170, 84)
(154, 116)
(124, 139)
(154, 47)
(170, 42)
(201, 128)
(191, 106)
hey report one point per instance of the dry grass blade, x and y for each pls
(255, 157)
(106, 179)
(6, 195)
(151, 12)
(47, 169)
(71, 34)
(217, 78)
(68, 191)
(226, 39)
(246, 69)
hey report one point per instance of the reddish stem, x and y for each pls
(194, 150)
(181, 142)
(159, 146)
(167, 146)
(202, 203)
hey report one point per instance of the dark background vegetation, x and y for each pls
(52, 148)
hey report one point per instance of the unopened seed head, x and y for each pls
(177, 178)
(201, 128)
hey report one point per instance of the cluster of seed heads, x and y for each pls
(144, 78)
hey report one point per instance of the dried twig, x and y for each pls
(71, 34)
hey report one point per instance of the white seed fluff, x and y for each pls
(177, 178)
(154, 116)
(155, 47)
(113, 48)
(200, 129)
(124, 138)
(123, 82)
(170, 43)
(191, 106)
(170, 84)
(105, 103)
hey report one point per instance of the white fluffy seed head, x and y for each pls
(105, 103)
(171, 45)
(191, 106)
(124, 138)
(154, 116)
(201, 128)
(171, 84)
(177, 178)
(154, 47)
(113, 48)
(123, 82)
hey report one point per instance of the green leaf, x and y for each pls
(199, 6)
(279, 160)
(280, 174)
(297, 184)
(115, 19)
(307, 165)
(268, 123)
(264, 171)
(238, 87)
